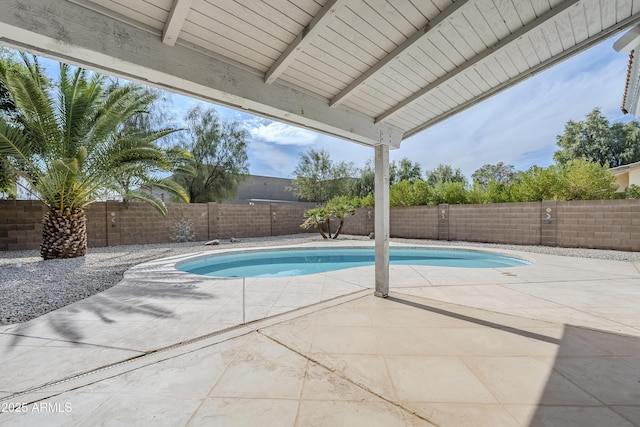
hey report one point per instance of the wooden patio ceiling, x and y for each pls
(369, 71)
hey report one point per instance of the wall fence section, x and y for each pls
(601, 224)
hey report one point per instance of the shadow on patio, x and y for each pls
(133, 302)
(595, 381)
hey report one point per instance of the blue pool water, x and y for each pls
(297, 262)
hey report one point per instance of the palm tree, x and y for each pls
(315, 218)
(70, 145)
(340, 207)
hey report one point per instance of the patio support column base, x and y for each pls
(382, 220)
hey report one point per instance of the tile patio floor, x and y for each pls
(555, 343)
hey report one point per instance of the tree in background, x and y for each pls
(499, 173)
(453, 193)
(537, 184)
(8, 177)
(365, 185)
(578, 179)
(10, 113)
(492, 183)
(596, 140)
(218, 157)
(405, 170)
(70, 143)
(317, 178)
(405, 193)
(445, 173)
(8, 109)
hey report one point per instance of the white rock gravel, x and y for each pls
(31, 287)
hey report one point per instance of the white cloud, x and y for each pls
(280, 133)
(271, 160)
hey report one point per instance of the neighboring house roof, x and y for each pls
(265, 189)
(624, 168)
(627, 175)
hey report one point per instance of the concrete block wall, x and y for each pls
(286, 218)
(97, 224)
(360, 224)
(517, 223)
(415, 222)
(602, 224)
(226, 221)
(20, 224)
(112, 223)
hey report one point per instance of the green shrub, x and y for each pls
(584, 180)
(452, 193)
(632, 192)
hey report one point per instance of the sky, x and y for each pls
(517, 126)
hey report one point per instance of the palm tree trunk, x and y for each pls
(335, 236)
(64, 234)
(319, 229)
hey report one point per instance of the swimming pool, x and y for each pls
(298, 262)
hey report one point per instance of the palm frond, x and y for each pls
(75, 108)
(170, 186)
(14, 144)
(148, 198)
(30, 96)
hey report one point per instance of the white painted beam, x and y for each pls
(553, 13)
(629, 41)
(567, 53)
(318, 23)
(175, 21)
(67, 32)
(382, 220)
(381, 65)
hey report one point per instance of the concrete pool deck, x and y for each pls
(553, 343)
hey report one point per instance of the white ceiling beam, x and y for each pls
(395, 54)
(317, 24)
(629, 41)
(175, 21)
(553, 13)
(64, 31)
(573, 50)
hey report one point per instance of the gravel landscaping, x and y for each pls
(31, 287)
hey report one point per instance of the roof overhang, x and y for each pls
(69, 33)
(372, 72)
